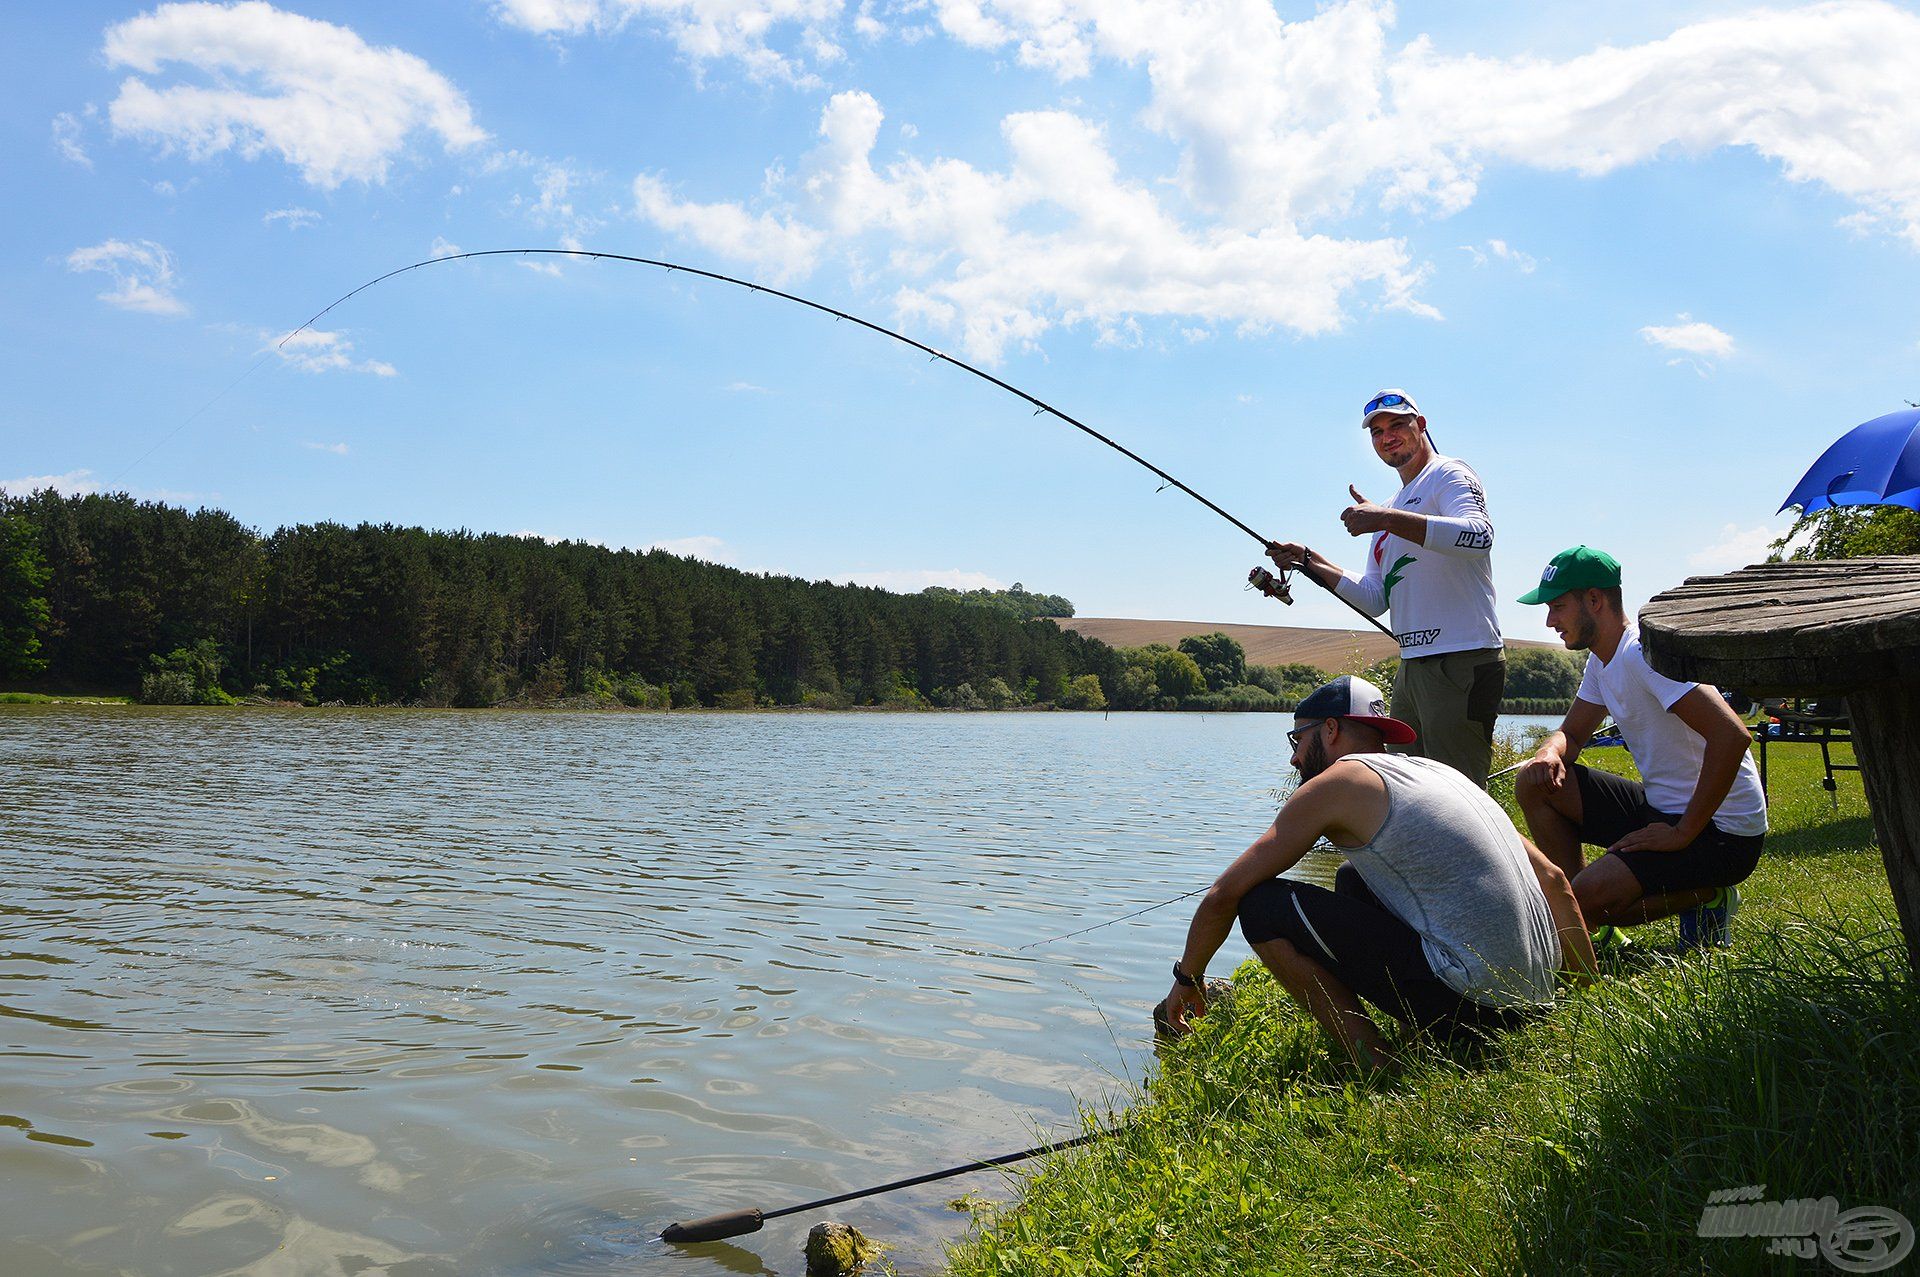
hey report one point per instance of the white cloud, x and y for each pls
(142, 272)
(1500, 250)
(1736, 547)
(81, 483)
(708, 548)
(66, 139)
(337, 449)
(74, 483)
(1058, 237)
(746, 388)
(703, 30)
(781, 247)
(1690, 336)
(295, 218)
(1280, 128)
(312, 350)
(556, 540)
(556, 182)
(331, 105)
(913, 580)
(1280, 120)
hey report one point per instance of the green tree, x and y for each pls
(1543, 672)
(1851, 532)
(23, 605)
(1017, 602)
(1289, 682)
(1136, 688)
(1222, 661)
(376, 613)
(1084, 693)
(1177, 674)
(186, 676)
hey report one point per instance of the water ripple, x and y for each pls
(504, 993)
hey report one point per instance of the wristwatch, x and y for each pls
(1180, 977)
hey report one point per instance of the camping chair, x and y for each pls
(1810, 723)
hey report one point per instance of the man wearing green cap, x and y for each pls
(1678, 843)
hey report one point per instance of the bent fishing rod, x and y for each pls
(737, 1223)
(1040, 406)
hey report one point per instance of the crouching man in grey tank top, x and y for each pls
(1443, 916)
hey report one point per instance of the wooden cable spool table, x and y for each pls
(1847, 627)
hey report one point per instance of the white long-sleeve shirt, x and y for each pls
(1441, 593)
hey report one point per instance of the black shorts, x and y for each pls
(1368, 949)
(1611, 807)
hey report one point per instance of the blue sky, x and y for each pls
(1639, 262)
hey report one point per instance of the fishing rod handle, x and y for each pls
(713, 1228)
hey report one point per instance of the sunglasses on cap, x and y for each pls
(1385, 401)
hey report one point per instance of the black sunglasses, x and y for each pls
(1299, 734)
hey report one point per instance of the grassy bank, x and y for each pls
(1588, 1141)
(50, 698)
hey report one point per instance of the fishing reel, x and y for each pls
(1274, 587)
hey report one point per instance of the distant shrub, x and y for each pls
(1084, 693)
(185, 676)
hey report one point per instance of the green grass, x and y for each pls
(41, 698)
(1587, 1141)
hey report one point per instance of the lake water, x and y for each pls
(416, 992)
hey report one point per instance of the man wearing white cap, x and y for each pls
(1443, 916)
(1431, 563)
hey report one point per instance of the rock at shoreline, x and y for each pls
(838, 1250)
(1219, 991)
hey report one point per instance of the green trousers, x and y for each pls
(1452, 700)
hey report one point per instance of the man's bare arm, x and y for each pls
(1563, 745)
(1576, 945)
(1728, 740)
(1321, 806)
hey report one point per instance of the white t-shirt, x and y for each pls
(1441, 593)
(1667, 751)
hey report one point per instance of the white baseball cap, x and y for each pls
(1350, 696)
(1391, 400)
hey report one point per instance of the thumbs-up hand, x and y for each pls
(1363, 516)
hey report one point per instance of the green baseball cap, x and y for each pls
(1581, 568)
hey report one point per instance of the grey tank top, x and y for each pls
(1449, 863)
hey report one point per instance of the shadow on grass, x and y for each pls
(1841, 834)
(1790, 1067)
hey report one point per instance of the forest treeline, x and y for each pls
(378, 614)
(109, 593)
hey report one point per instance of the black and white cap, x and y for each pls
(1355, 698)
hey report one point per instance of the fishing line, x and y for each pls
(1597, 738)
(1040, 405)
(1110, 921)
(193, 416)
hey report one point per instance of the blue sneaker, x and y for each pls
(1711, 923)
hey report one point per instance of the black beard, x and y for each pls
(1583, 631)
(1315, 760)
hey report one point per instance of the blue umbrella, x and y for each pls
(1877, 463)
